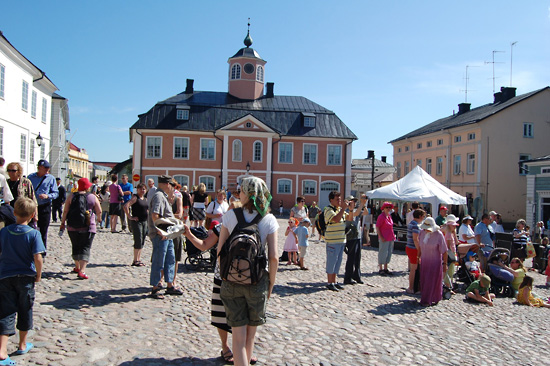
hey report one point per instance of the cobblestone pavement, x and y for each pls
(109, 320)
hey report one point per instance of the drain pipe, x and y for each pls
(221, 168)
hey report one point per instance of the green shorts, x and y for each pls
(245, 304)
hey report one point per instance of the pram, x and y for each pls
(501, 279)
(198, 260)
(463, 273)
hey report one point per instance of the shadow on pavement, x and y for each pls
(92, 299)
(108, 265)
(191, 361)
(408, 306)
(298, 288)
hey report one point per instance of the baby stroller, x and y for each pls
(463, 273)
(198, 260)
(501, 279)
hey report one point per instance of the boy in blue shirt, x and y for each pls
(303, 234)
(21, 249)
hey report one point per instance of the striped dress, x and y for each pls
(217, 310)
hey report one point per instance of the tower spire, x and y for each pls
(248, 39)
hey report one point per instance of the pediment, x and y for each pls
(248, 123)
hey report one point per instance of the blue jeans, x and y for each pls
(16, 297)
(335, 252)
(163, 258)
(105, 218)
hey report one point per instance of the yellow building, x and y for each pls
(477, 152)
(78, 162)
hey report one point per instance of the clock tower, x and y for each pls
(246, 72)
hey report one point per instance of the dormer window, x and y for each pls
(182, 113)
(309, 119)
(235, 72)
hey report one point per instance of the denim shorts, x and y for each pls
(16, 297)
(245, 304)
(335, 253)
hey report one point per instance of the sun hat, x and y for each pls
(485, 281)
(351, 198)
(306, 220)
(493, 213)
(429, 225)
(470, 254)
(83, 184)
(451, 220)
(467, 218)
(386, 204)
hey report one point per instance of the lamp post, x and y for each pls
(370, 155)
(39, 140)
(248, 168)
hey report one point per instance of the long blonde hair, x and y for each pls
(202, 188)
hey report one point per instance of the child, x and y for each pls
(291, 242)
(281, 208)
(479, 290)
(525, 296)
(21, 250)
(303, 234)
(472, 264)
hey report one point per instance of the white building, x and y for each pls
(25, 108)
(58, 157)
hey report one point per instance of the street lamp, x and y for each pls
(247, 168)
(370, 155)
(39, 140)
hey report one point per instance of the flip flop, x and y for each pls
(155, 294)
(7, 361)
(22, 352)
(253, 360)
(227, 356)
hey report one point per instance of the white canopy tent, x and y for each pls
(418, 186)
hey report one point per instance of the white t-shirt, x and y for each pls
(466, 229)
(268, 225)
(217, 208)
(5, 192)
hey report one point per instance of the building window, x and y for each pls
(308, 119)
(471, 163)
(183, 180)
(429, 165)
(406, 148)
(25, 96)
(181, 148)
(419, 162)
(258, 152)
(42, 150)
(284, 186)
(439, 165)
(235, 72)
(458, 138)
(398, 170)
(23, 153)
(260, 74)
(407, 168)
(33, 104)
(154, 147)
(1, 141)
(528, 130)
(429, 144)
(456, 164)
(399, 150)
(208, 181)
(208, 149)
(310, 154)
(237, 152)
(309, 187)
(545, 170)
(44, 109)
(285, 152)
(439, 142)
(472, 136)
(31, 151)
(2, 80)
(182, 114)
(523, 170)
(419, 145)
(334, 155)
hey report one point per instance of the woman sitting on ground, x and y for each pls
(518, 271)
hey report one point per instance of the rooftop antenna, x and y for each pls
(467, 78)
(493, 62)
(511, 57)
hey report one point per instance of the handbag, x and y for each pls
(531, 253)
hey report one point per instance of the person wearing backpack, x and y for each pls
(245, 304)
(81, 212)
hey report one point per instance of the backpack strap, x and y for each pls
(241, 221)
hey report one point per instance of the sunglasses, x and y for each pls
(291, 222)
(11, 170)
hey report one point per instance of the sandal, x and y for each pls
(173, 291)
(409, 291)
(155, 294)
(138, 264)
(227, 356)
(29, 346)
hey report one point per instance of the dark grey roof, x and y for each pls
(210, 111)
(247, 52)
(57, 96)
(540, 158)
(473, 116)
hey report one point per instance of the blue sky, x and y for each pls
(385, 68)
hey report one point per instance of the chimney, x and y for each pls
(383, 159)
(189, 88)
(463, 108)
(498, 97)
(507, 93)
(269, 90)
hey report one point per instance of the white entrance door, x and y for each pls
(325, 189)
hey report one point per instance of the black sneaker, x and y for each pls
(332, 287)
(338, 286)
(388, 273)
(359, 281)
(349, 282)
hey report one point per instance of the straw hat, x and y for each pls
(429, 225)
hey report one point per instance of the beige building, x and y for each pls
(78, 162)
(477, 152)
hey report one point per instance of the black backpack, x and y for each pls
(79, 216)
(320, 223)
(243, 258)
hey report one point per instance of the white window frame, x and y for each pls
(312, 186)
(284, 180)
(458, 138)
(186, 142)
(407, 168)
(419, 146)
(470, 163)
(182, 114)
(237, 150)
(428, 144)
(406, 148)
(309, 121)
(398, 166)
(207, 140)
(34, 98)
(528, 130)
(304, 154)
(235, 72)
(44, 110)
(291, 153)
(206, 180)
(429, 165)
(257, 156)
(23, 149)
(457, 164)
(339, 147)
(419, 162)
(260, 73)
(439, 165)
(471, 136)
(43, 150)
(2, 81)
(182, 179)
(31, 151)
(25, 96)
(1, 141)
(153, 155)
(439, 142)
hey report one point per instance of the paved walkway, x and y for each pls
(109, 320)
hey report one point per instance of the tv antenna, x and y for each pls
(467, 78)
(493, 62)
(511, 56)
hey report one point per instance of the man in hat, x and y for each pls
(494, 223)
(57, 203)
(163, 256)
(45, 189)
(352, 274)
(440, 220)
